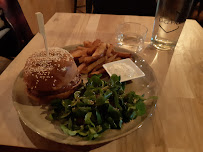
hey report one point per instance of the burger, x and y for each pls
(50, 76)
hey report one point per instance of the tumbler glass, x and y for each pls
(131, 36)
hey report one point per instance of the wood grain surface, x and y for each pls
(176, 124)
(47, 7)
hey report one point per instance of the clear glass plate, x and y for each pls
(34, 116)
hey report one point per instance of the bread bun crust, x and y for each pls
(47, 99)
(50, 74)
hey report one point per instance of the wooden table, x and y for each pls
(177, 123)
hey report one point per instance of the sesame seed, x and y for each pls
(63, 69)
(40, 64)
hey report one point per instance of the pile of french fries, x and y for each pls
(90, 57)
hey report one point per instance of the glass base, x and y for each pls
(163, 45)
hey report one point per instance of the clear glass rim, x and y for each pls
(135, 23)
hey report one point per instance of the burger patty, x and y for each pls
(73, 84)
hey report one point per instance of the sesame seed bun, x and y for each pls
(52, 76)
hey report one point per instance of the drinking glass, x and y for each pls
(131, 36)
(169, 21)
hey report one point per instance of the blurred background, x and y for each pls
(18, 22)
(29, 8)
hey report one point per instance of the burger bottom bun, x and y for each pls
(47, 99)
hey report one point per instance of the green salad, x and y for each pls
(97, 106)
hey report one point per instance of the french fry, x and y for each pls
(89, 59)
(78, 53)
(91, 50)
(111, 54)
(97, 67)
(81, 48)
(118, 58)
(84, 71)
(87, 44)
(124, 54)
(110, 59)
(96, 42)
(113, 51)
(100, 71)
(94, 64)
(81, 67)
(100, 65)
(109, 50)
(100, 50)
(81, 59)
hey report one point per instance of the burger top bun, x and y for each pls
(48, 73)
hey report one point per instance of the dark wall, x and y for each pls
(125, 7)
